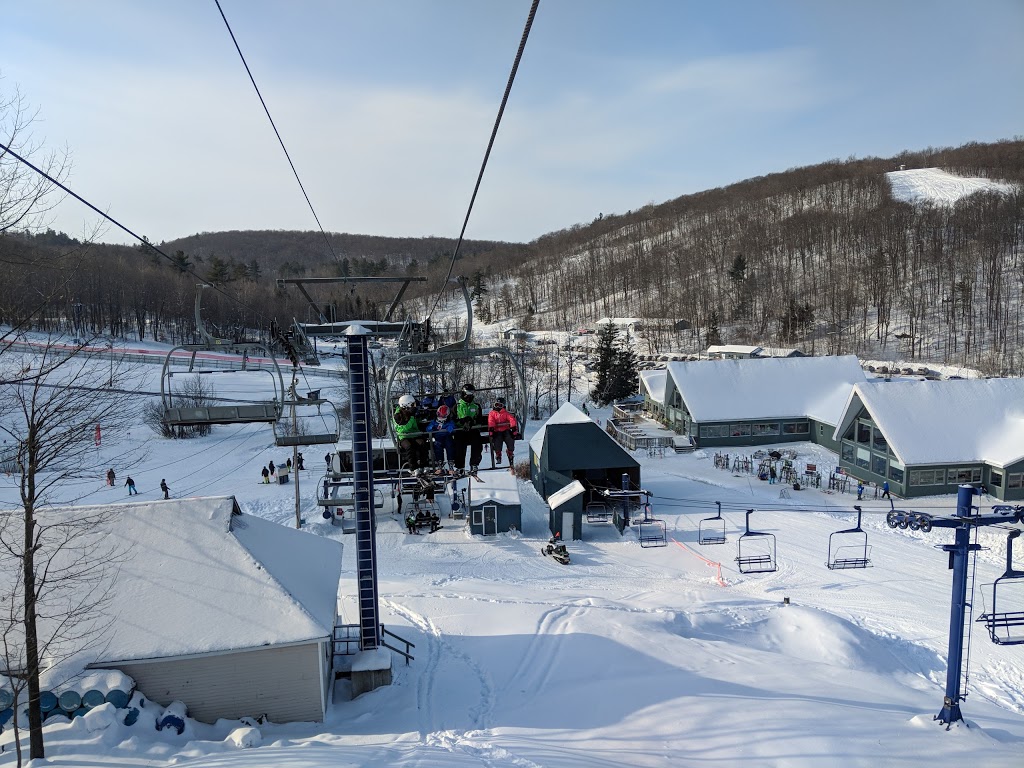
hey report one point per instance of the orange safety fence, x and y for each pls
(710, 563)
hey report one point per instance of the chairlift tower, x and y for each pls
(967, 518)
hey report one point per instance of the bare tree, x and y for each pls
(51, 562)
(26, 197)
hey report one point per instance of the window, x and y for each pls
(896, 473)
(878, 464)
(1015, 480)
(739, 430)
(995, 478)
(863, 433)
(879, 443)
(796, 428)
(766, 429)
(848, 452)
(714, 431)
(863, 458)
(964, 475)
(928, 477)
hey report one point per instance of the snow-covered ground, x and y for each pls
(629, 656)
(939, 187)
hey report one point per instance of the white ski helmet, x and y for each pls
(406, 401)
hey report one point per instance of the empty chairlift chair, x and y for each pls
(711, 530)
(1005, 619)
(650, 530)
(307, 421)
(850, 549)
(755, 551)
(266, 410)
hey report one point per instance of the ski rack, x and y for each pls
(714, 531)
(755, 551)
(1006, 627)
(851, 550)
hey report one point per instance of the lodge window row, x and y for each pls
(755, 430)
(945, 476)
(879, 463)
(1013, 480)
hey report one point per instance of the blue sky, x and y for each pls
(386, 106)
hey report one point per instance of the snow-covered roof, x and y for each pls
(946, 422)
(566, 414)
(654, 383)
(779, 352)
(498, 486)
(197, 578)
(768, 388)
(561, 496)
(733, 349)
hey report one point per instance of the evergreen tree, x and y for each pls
(713, 334)
(218, 273)
(607, 342)
(624, 380)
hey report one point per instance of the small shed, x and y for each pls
(232, 614)
(570, 446)
(494, 503)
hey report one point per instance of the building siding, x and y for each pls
(283, 683)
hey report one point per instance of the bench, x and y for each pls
(849, 562)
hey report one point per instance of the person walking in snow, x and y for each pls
(860, 490)
(772, 475)
(130, 484)
(165, 489)
(110, 477)
(503, 429)
(273, 469)
(266, 476)
(885, 490)
(299, 464)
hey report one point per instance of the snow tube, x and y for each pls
(93, 698)
(118, 698)
(47, 701)
(70, 701)
(171, 721)
(132, 717)
(78, 712)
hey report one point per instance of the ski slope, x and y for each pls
(933, 185)
(628, 656)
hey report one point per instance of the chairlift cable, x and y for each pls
(487, 154)
(122, 227)
(277, 133)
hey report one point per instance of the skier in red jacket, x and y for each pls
(504, 429)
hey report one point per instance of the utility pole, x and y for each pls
(295, 448)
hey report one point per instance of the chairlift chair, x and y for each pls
(598, 512)
(1006, 627)
(307, 421)
(851, 549)
(711, 530)
(652, 533)
(264, 411)
(755, 550)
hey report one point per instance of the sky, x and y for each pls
(386, 107)
(628, 657)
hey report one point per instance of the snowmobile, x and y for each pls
(556, 549)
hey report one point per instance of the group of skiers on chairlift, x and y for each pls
(454, 427)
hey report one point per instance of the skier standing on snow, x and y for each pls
(503, 429)
(131, 487)
(266, 475)
(165, 489)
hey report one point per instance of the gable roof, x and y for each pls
(570, 439)
(945, 422)
(767, 388)
(198, 576)
(654, 383)
(498, 486)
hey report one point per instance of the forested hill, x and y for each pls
(281, 253)
(825, 258)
